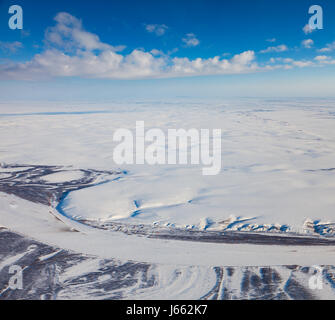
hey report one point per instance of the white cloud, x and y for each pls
(69, 34)
(308, 43)
(289, 63)
(288, 60)
(240, 63)
(111, 65)
(307, 29)
(280, 48)
(321, 58)
(329, 47)
(158, 29)
(71, 51)
(271, 40)
(302, 63)
(156, 52)
(190, 40)
(10, 47)
(74, 52)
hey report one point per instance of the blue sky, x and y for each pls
(164, 48)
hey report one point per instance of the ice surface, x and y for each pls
(35, 221)
(63, 176)
(277, 161)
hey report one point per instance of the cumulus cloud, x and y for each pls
(69, 34)
(10, 47)
(307, 29)
(289, 63)
(158, 29)
(240, 63)
(136, 65)
(323, 60)
(284, 60)
(329, 47)
(302, 63)
(280, 48)
(308, 43)
(190, 40)
(71, 51)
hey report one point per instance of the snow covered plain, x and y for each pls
(277, 176)
(277, 163)
(51, 273)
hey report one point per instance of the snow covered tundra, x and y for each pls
(76, 223)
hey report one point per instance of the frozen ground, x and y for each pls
(277, 162)
(50, 273)
(277, 179)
